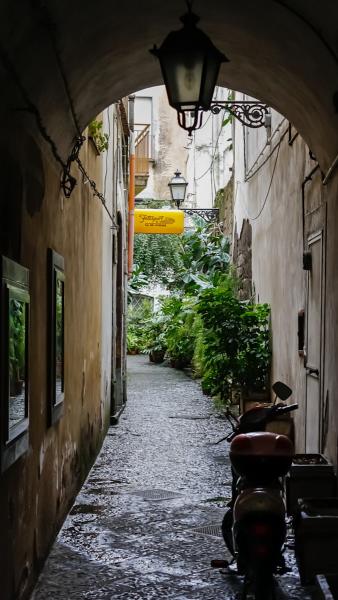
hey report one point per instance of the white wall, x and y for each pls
(210, 157)
(268, 182)
(205, 159)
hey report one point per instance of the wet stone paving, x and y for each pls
(146, 524)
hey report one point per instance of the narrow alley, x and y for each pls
(147, 521)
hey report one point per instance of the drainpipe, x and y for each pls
(131, 193)
(307, 263)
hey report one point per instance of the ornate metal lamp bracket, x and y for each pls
(249, 112)
(208, 214)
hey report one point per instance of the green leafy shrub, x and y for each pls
(203, 323)
(137, 317)
(179, 315)
(154, 334)
(236, 345)
(101, 139)
(157, 259)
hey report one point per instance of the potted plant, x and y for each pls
(178, 330)
(132, 342)
(154, 338)
(310, 476)
(137, 318)
(236, 343)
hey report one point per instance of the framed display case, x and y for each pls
(14, 308)
(56, 330)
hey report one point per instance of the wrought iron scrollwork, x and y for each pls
(249, 112)
(208, 214)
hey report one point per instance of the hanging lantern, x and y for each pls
(190, 65)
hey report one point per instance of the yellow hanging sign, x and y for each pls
(159, 221)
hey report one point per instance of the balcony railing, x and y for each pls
(142, 150)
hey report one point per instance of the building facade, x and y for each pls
(204, 159)
(62, 353)
(283, 247)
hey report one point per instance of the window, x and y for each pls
(56, 329)
(14, 361)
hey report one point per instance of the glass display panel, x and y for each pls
(17, 339)
(59, 338)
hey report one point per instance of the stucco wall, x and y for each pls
(271, 201)
(204, 159)
(330, 195)
(39, 488)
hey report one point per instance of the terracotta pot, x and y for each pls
(156, 356)
(16, 387)
(178, 363)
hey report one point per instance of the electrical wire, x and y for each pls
(267, 193)
(94, 189)
(215, 150)
(68, 181)
(205, 122)
(276, 146)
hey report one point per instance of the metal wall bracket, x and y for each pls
(208, 214)
(250, 113)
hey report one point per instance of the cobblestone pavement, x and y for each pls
(147, 521)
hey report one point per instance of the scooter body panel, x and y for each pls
(258, 540)
(259, 510)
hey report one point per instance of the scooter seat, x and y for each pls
(261, 456)
(262, 442)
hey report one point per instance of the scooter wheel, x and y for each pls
(227, 530)
(264, 587)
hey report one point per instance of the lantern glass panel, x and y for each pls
(210, 76)
(183, 77)
(178, 191)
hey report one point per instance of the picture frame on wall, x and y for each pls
(14, 360)
(55, 337)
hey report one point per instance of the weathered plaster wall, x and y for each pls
(37, 491)
(204, 159)
(224, 201)
(275, 216)
(209, 157)
(284, 53)
(330, 195)
(242, 259)
(168, 143)
(271, 201)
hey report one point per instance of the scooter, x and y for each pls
(254, 527)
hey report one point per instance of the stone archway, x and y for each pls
(282, 52)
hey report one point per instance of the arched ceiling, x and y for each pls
(284, 52)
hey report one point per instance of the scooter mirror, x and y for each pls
(282, 390)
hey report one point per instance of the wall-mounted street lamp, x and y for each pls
(178, 186)
(190, 66)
